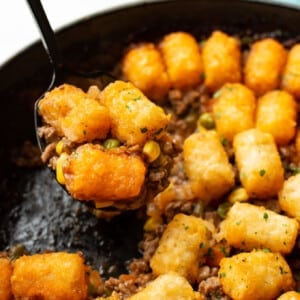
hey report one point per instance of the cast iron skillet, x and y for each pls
(34, 210)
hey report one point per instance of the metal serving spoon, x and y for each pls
(58, 71)
(58, 68)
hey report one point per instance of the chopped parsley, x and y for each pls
(266, 216)
(202, 245)
(282, 271)
(224, 142)
(262, 172)
(144, 129)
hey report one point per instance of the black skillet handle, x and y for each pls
(47, 34)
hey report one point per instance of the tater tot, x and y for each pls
(207, 166)
(144, 67)
(92, 173)
(277, 114)
(258, 161)
(59, 276)
(181, 248)
(5, 275)
(169, 286)
(291, 75)
(234, 110)
(74, 114)
(289, 197)
(264, 66)
(86, 122)
(222, 60)
(183, 60)
(249, 226)
(258, 275)
(291, 295)
(135, 119)
(57, 103)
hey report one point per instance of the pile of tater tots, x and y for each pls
(224, 222)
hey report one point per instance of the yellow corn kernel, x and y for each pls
(151, 150)
(59, 147)
(206, 120)
(151, 224)
(238, 195)
(59, 168)
(103, 204)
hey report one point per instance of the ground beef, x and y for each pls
(139, 266)
(127, 285)
(47, 132)
(48, 154)
(150, 242)
(211, 289)
(179, 206)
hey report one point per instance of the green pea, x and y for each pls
(111, 143)
(223, 209)
(206, 120)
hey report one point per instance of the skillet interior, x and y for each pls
(34, 210)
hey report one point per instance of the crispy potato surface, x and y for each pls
(289, 197)
(249, 226)
(277, 114)
(207, 166)
(259, 165)
(234, 110)
(169, 286)
(222, 60)
(135, 119)
(5, 275)
(143, 66)
(264, 66)
(74, 114)
(183, 60)
(92, 173)
(181, 248)
(291, 295)
(59, 276)
(258, 275)
(291, 75)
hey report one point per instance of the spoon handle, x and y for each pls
(47, 34)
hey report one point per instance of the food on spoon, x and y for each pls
(258, 161)
(181, 54)
(264, 66)
(103, 175)
(291, 74)
(233, 110)
(249, 227)
(57, 275)
(179, 248)
(5, 275)
(168, 286)
(222, 60)
(207, 166)
(106, 143)
(134, 118)
(144, 67)
(74, 114)
(260, 275)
